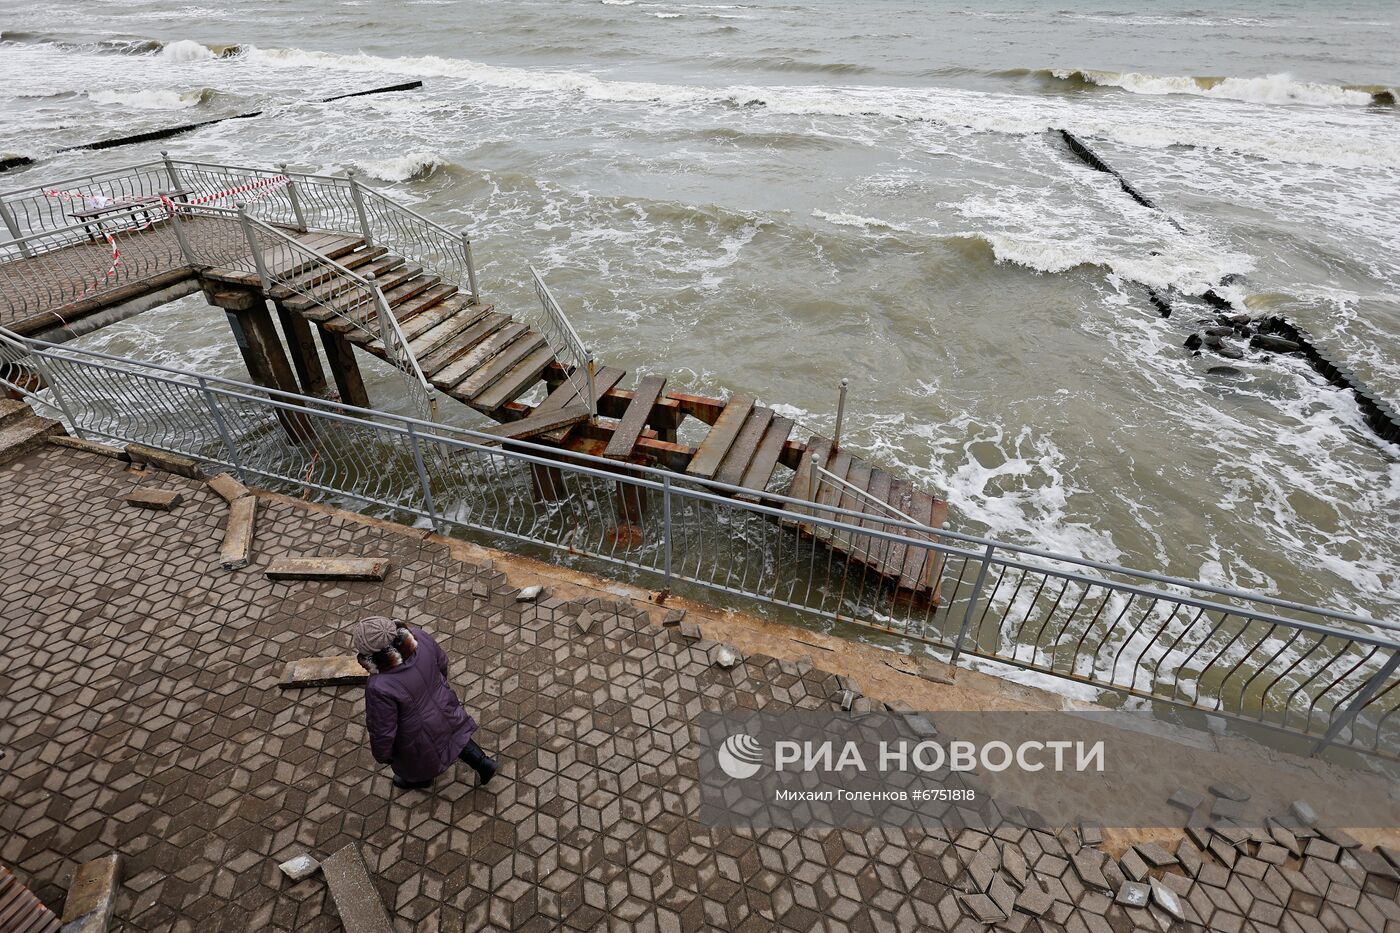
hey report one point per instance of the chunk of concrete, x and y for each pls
(228, 488)
(725, 657)
(1167, 899)
(92, 897)
(92, 447)
(1304, 812)
(332, 671)
(690, 631)
(585, 621)
(328, 568)
(1187, 800)
(302, 866)
(159, 500)
(170, 463)
(356, 898)
(237, 547)
(1133, 894)
(1229, 791)
(529, 594)
(674, 617)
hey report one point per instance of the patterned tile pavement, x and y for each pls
(140, 713)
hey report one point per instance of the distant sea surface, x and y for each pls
(768, 196)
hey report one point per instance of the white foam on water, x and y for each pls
(148, 99)
(185, 50)
(842, 219)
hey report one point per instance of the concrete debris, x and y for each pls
(328, 568)
(529, 594)
(302, 866)
(160, 500)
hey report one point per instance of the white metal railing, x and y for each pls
(1312, 674)
(568, 348)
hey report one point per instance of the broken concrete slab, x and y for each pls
(1227, 808)
(1304, 812)
(1229, 791)
(724, 656)
(332, 671)
(92, 896)
(328, 568)
(690, 631)
(1167, 899)
(1133, 894)
(237, 547)
(529, 594)
(160, 500)
(92, 447)
(674, 617)
(356, 898)
(300, 867)
(170, 463)
(1187, 800)
(228, 488)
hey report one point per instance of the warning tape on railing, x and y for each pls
(151, 219)
(258, 189)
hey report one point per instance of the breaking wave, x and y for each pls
(1268, 89)
(865, 223)
(152, 99)
(401, 168)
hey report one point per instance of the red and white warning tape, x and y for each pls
(259, 189)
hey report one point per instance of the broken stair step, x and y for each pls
(449, 338)
(635, 418)
(462, 368)
(500, 364)
(22, 437)
(741, 452)
(237, 547)
(305, 299)
(333, 671)
(409, 290)
(356, 898)
(538, 424)
(814, 454)
(516, 381)
(330, 244)
(770, 451)
(406, 311)
(603, 381)
(328, 568)
(92, 895)
(720, 437)
(419, 324)
(321, 273)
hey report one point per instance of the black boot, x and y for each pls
(483, 764)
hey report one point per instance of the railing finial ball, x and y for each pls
(369, 276)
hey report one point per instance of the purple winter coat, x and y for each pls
(416, 723)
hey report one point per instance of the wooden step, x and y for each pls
(634, 419)
(875, 550)
(526, 343)
(531, 425)
(765, 459)
(330, 243)
(397, 276)
(452, 339)
(419, 324)
(816, 452)
(443, 336)
(408, 310)
(567, 393)
(901, 497)
(858, 476)
(741, 452)
(462, 368)
(320, 273)
(327, 291)
(409, 290)
(516, 381)
(721, 437)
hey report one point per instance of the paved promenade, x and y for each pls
(140, 714)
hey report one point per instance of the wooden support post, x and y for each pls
(548, 482)
(302, 345)
(262, 351)
(345, 368)
(665, 422)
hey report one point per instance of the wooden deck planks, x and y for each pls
(538, 424)
(765, 459)
(465, 365)
(721, 437)
(741, 452)
(567, 393)
(526, 342)
(514, 381)
(634, 420)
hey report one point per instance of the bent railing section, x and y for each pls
(1320, 676)
(564, 341)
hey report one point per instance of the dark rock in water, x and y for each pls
(1240, 319)
(1214, 342)
(1244, 330)
(1193, 342)
(1223, 371)
(1231, 278)
(1274, 344)
(1221, 330)
(1230, 353)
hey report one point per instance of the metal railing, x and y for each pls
(37, 217)
(1316, 674)
(564, 341)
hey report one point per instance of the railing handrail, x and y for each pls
(710, 490)
(852, 487)
(109, 173)
(124, 213)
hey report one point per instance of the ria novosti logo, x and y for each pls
(740, 756)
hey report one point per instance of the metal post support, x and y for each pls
(253, 247)
(359, 202)
(181, 237)
(592, 369)
(47, 376)
(294, 196)
(666, 526)
(423, 478)
(8, 216)
(971, 607)
(382, 312)
(1358, 704)
(471, 268)
(212, 402)
(840, 413)
(171, 170)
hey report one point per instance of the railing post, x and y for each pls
(592, 369)
(840, 414)
(8, 216)
(47, 375)
(294, 196)
(258, 263)
(180, 235)
(471, 268)
(666, 526)
(382, 312)
(359, 202)
(1362, 698)
(423, 478)
(971, 607)
(212, 402)
(171, 170)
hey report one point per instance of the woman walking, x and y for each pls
(416, 724)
